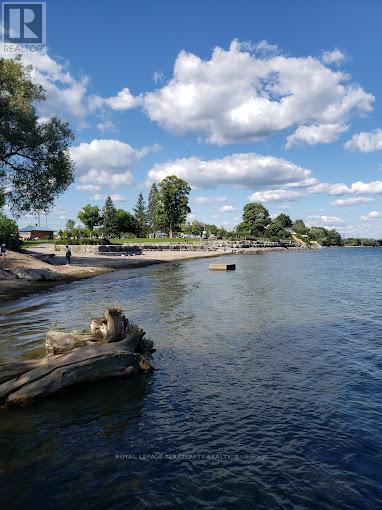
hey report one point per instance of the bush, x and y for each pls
(75, 242)
(9, 234)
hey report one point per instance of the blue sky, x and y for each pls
(275, 101)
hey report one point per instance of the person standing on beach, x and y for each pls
(68, 255)
(3, 250)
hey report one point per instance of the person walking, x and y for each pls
(68, 255)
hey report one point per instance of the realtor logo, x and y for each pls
(24, 26)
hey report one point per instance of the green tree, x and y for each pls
(211, 229)
(333, 238)
(70, 224)
(35, 164)
(127, 224)
(220, 233)
(90, 215)
(194, 228)
(8, 232)
(284, 220)
(173, 195)
(300, 228)
(255, 218)
(275, 231)
(351, 241)
(109, 219)
(140, 215)
(153, 208)
(242, 229)
(325, 237)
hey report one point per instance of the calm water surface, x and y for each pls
(266, 394)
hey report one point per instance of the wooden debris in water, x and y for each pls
(222, 267)
(114, 347)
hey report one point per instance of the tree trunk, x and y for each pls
(113, 348)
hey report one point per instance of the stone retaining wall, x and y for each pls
(137, 249)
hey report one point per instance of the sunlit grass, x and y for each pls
(37, 242)
(151, 240)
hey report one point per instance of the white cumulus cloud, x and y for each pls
(241, 95)
(372, 215)
(227, 209)
(352, 201)
(365, 141)
(65, 94)
(316, 133)
(107, 162)
(244, 170)
(124, 100)
(210, 200)
(116, 197)
(274, 195)
(318, 220)
(333, 57)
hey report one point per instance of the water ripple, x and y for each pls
(267, 392)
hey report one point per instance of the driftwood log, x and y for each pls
(114, 347)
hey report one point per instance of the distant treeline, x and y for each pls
(352, 241)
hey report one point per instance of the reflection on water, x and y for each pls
(274, 367)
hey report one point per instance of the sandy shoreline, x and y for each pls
(25, 273)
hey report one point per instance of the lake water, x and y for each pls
(267, 391)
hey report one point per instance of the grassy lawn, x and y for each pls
(150, 240)
(31, 244)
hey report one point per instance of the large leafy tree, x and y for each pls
(300, 228)
(140, 215)
(90, 215)
(284, 220)
(325, 237)
(173, 195)
(110, 219)
(195, 228)
(35, 164)
(276, 231)
(255, 219)
(127, 223)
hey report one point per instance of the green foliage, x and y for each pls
(70, 224)
(140, 215)
(174, 206)
(242, 229)
(362, 242)
(9, 233)
(90, 215)
(325, 237)
(284, 220)
(194, 228)
(352, 242)
(78, 240)
(153, 209)
(300, 228)
(255, 219)
(127, 224)
(110, 219)
(276, 231)
(34, 156)
(370, 242)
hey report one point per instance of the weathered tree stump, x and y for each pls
(113, 348)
